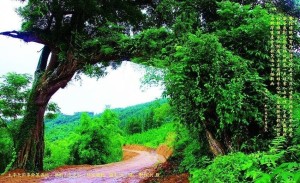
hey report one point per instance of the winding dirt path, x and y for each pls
(133, 170)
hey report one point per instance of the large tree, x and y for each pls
(88, 35)
(78, 36)
(217, 63)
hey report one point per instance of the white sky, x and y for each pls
(120, 88)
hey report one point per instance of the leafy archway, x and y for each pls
(88, 35)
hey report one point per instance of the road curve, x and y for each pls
(133, 170)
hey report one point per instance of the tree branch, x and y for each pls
(42, 64)
(25, 36)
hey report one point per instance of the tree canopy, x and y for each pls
(217, 70)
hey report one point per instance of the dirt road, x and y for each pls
(133, 170)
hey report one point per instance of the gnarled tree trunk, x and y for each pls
(30, 145)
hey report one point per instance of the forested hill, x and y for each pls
(67, 123)
(123, 113)
(138, 111)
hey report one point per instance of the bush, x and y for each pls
(133, 125)
(99, 140)
(7, 151)
(57, 153)
(188, 150)
(276, 165)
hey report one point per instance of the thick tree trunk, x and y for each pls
(30, 145)
(30, 140)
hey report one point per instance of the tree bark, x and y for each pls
(30, 139)
(214, 145)
(30, 145)
(42, 64)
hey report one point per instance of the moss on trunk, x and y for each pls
(30, 144)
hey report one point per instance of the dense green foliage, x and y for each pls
(217, 75)
(95, 140)
(296, 139)
(142, 117)
(212, 99)
(217, 80)
(153, 137)
(99, 140)
(151, 117)
(144, 114)
(214, 61)
(14, 89)
(57, 153)
(188, 150)
(269, 166)
(7, 151)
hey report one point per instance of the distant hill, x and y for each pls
(64, 124)
(137, 110)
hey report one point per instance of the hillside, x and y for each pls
(63, 124)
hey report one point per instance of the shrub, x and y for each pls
(188, 150)
(7, 151)
(57, 153)
(276, 165)
(99, 140)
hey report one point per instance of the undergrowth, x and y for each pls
(152, 138)
(278, 165)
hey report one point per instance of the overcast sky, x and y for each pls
(120, 88)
